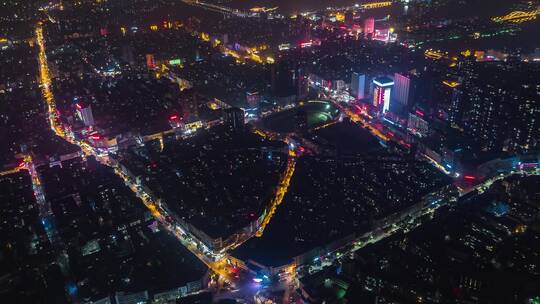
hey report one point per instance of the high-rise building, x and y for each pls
(381, 93)
(234, 118)
(358, 85)
(461, 88)
(85, 114)
(284, 78)
(404, 88)
(369, 27)
(456, 110)
(485, 121)
(289, 80)
(302, 83)
(501, 108)
(525, 132)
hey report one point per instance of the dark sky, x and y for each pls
(292, 5)
(454, 7)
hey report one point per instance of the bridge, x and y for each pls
(227, 11)
(517, 16)
(375, 4)
(254, 12)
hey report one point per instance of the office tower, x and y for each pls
(85, 114)
(404, 88)
(381, 93)
(358, 85)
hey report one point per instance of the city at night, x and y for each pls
(270, 151)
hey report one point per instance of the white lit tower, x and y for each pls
(381, 93)
(85, 114)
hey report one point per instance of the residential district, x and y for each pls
(269, 151)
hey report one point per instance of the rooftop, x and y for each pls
(219, 181)
(112, 242)
(330, 199)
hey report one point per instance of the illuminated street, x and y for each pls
(215, 261)
(220, 263)
(190, 242)
(267, 152)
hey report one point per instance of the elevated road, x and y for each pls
(218, 8)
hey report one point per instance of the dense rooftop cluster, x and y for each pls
(21, 109)
(332, 198)
(475, 253)
(219, 181)
(24, 250)
(106, 237)
(173, 151)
